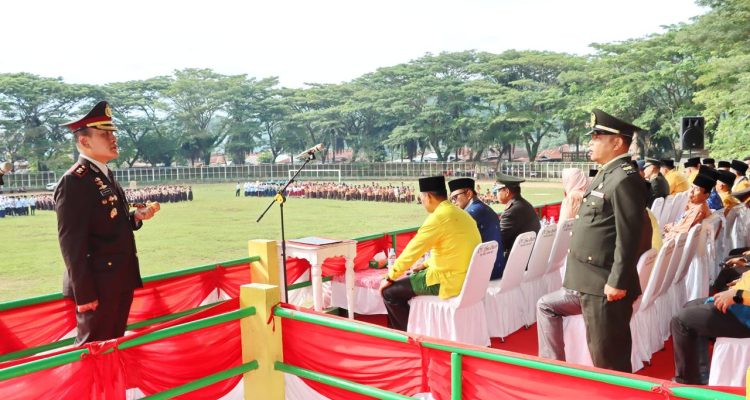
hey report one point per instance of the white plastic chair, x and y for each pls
(461, 318)
(574, 328)
(647, 325)
(678, 207)
(666, 211)
(533, 285)
(729, 362)
(657, 206)
(698, 276)
(504, 302)
(665, 308)
(558, 256)
(678, 291)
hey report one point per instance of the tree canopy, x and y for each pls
(470, 102)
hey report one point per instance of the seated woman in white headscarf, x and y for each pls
(575, 184)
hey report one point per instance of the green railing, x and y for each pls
(74, 356)
(457, 354)
(136, 325)
(188, 271)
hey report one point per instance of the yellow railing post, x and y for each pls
(267, 270)
(261, 341)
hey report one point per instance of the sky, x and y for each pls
(301, 41)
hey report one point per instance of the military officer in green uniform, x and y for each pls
(609, 234)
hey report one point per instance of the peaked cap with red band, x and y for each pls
(99, 117)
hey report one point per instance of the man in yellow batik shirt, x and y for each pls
(677, 182)
(451, 236)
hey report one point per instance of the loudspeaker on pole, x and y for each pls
(692, 133)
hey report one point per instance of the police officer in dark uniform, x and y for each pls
(610, 233)
(95, 230)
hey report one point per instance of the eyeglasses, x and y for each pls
(455, 196)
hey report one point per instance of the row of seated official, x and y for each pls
(451, 232)
(725, 314)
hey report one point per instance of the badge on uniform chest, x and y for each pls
(108, 196)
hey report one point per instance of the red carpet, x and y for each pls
(525, 341)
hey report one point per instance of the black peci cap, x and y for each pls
(434, 184)
(739, 167)
(726, 177)
(461, 183)
(692, 162)
(704, 181)
(667, 162)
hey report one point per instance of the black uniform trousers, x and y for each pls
(396, 298)
(108, 321)
(608, 330)
(692, 328)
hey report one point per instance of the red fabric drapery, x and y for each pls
(551, 211)
(48, 322)
(402, 239)
(409, 368)
(152, 367)
(36, 324)
(380, 363)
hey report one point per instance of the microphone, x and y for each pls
(311, 151)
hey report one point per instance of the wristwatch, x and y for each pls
(738, 296)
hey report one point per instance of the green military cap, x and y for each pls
(605, 124)
(504, 180)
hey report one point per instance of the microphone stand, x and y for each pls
(281, 199)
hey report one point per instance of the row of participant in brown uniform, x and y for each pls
(161, 193)
(336, 191)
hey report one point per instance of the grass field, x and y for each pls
(214, 227)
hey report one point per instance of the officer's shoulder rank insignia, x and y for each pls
(80, 170)
(628, 168)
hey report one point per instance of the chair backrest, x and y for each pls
(539, 259)
(477, 274)
(560, 247)
(678, 208)
(657, 206)
(666, 211)
(657, 274)
(674, 263)
(645, 266)
(517, 261)
(689, 253)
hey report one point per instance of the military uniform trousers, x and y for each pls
(607, 327)
(396, 297)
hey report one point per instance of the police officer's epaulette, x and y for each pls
(79, 170)
(628, 168)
